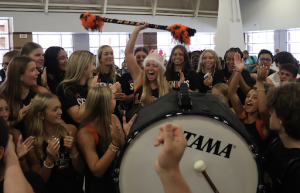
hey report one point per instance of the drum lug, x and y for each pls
(135, 133)
(117, 170)
(254, 150)
(116, 180)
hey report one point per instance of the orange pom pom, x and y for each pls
(180, 33)
(91, 21)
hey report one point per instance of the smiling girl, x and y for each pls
(56, 60)
(180, 71)
(150, 83)
(55, 155)
(36, 52)
(209, 63)
(20, 87)
(254, 114)
(72, 91)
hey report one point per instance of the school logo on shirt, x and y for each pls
(175, 83)
(131, 84)
(62, 160)
(137, 99)
(79, 99)
(225, 79)
(99, 83)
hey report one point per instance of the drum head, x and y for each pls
(230, 163)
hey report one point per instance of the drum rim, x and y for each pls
(252, 146)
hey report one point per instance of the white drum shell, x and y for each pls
(236, 174)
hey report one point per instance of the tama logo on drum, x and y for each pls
(209, 146)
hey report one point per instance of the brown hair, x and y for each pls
(170, 65)
(285, 101)
(29, 47)
(98, 107)
(222, 87)
(12, 86)
(12, 54)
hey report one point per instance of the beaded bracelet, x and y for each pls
(48, 166)
(113, 150)
(74, 156)
(114, 145)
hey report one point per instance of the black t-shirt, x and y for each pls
(191, 78)
(63, 177)
(127, 84)
(217, 78)
(106, 80)
(53, 82)
(36, 181)
(138, 94)
(75, 95)
(247, 78)
(127, 87)
(29, 97)
(278, 161)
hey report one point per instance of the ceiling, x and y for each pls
(185, 8)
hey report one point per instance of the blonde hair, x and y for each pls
(216, 66)
(162, 83)
(77, 64)
(222, 87)
(12, 86)
(98, 107)
(34, 124)
(99, 69)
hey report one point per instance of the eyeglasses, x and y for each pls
(265, 59)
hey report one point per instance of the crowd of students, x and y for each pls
(66, 127)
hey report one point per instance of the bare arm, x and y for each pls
(86, 144)
(135, 71)
(77, 162)
(167, 162)
(232, 90)
(15, 180)
(262, 73)
(244, 86)
(127, 99)
(34, 160)
(76, 112)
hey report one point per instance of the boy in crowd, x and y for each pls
(287, 71)
(250, 62)
(282, 158)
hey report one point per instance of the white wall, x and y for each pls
(270, 14)
(69, 22)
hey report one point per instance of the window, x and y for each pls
(115, 40)
(4, 38)
(256, 41)
(166, 43)
(201, 41)
(47, 40)
(293, 42)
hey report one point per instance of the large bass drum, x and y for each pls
(214, 135)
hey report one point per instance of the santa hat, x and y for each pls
(156, 56)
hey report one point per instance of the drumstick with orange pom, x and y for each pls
(95, 22)
(200, 166)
